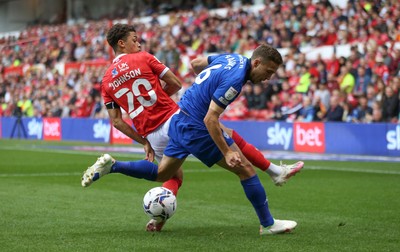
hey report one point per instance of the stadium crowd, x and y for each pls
(363, 87)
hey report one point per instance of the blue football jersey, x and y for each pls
(221, 81)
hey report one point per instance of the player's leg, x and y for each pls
(107, 164)
(279, 173)
(159, 140)
(172, 184)
(206, 151)
(141, 169)
(256, 194)
(100, 168)
(175, 183)
(168, 167)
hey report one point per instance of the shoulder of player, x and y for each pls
(137, 55)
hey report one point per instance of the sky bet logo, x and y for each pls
(393, 138)
(279, 135)
(309, 137)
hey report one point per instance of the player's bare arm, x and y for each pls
(172, 83)
(119, 123)
(228, 131)
(212, 123)
(199, 64)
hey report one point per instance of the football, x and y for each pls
(159, 203)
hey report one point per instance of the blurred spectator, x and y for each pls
(384, 53)
(363, 80)
(381, 70)
(169, 54)
(371, 95)
(25, 104)
(332, 83)
(376, 114)
(395, 66)
(292, 111)
(395, 84)
(359, 114)
(258, 110)
(346, 79)
(276, 107)
(335, 111)
(258, 98)
(390, 105)
(304, 81)
(322, 73)
(307, 112)
(379, 89)
(321, 96)
(248, 94)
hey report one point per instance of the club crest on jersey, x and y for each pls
(123, 66)
(230, 94)
(114, 72)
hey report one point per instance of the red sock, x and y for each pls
(173, 184)
(250, 152)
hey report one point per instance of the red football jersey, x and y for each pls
(133, 82)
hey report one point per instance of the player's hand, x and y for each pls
(148, 151)
(233, 159)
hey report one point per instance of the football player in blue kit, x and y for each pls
(196, 130)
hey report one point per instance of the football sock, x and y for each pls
(258, 198)
(173, 184)
(250, 152)
(138, 169)
(274, 170)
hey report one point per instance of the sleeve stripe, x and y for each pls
(164, 72)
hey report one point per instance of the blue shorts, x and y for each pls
(187, 137)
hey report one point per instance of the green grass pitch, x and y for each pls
(339, 206)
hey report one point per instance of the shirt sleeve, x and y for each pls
(228, 89)
(157, 67)
(211, 58)
(106, 97)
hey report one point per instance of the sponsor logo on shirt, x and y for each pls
(223, 101)
(114, 72)
(231, 94)
(123, 66)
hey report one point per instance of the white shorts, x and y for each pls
(159, 138)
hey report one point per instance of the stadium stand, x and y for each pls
(333, 58)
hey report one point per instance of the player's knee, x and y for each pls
(246, 172)
(165, 174)
(162, 177)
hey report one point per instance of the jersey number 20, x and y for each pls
(135, 93)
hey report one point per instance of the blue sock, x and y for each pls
(256, 194)
(138, 169)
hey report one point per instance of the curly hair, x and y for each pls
(118, 32)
